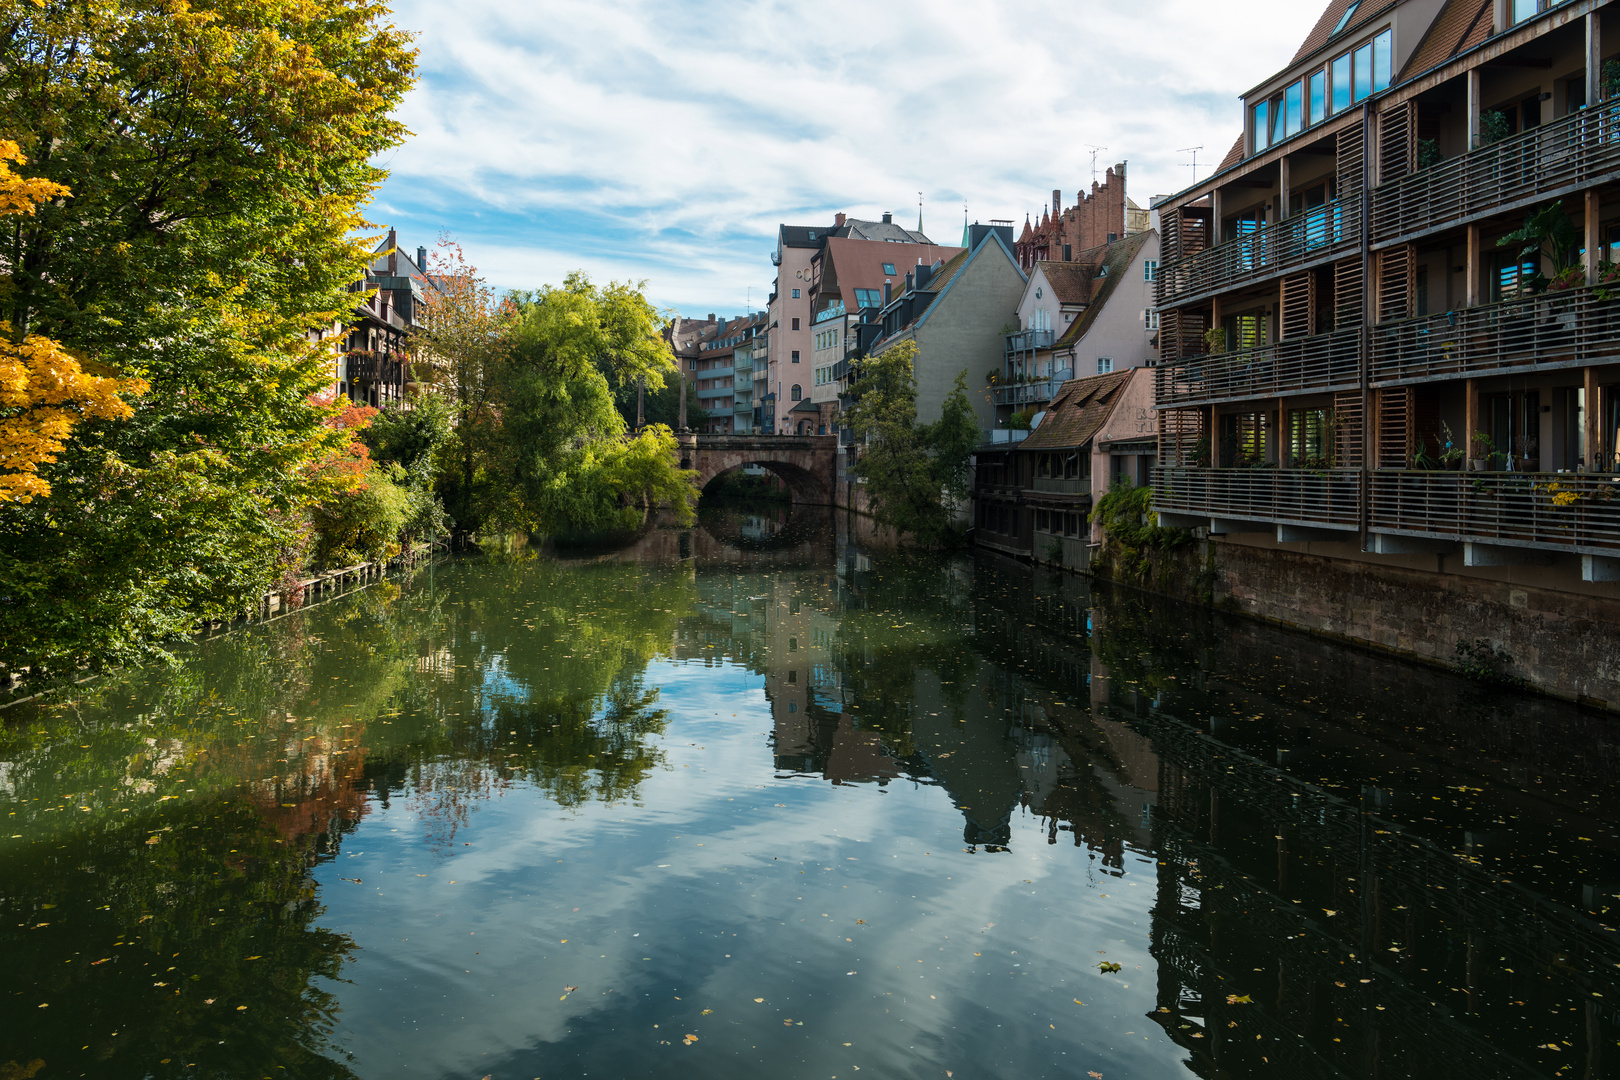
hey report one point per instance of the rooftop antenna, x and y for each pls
(1193, 165)
(919, 211)
(1095, 150)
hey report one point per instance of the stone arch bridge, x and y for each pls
(808, 464)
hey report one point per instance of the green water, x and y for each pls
(748, 800)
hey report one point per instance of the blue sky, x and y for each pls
(665, 141)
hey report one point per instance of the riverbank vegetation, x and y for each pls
(184, 197)
(917, 475)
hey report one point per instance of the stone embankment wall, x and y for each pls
(1560, 642)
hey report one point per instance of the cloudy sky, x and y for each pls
(666, 140)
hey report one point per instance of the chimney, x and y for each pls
(888, 292)
(908, 282)
(888, 218)
(393, 255)
(840, 219)
(421, 258)
(711, 316)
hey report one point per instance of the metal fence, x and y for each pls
(1573, 511)
(1578, 151)
(1321, 363)
(1307, 496)
(1308, 237)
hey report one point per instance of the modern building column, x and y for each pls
(1472, 271)
(1474, 105)
(1594, 235)
(1594, 57)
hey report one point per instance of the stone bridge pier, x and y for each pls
(808, 464)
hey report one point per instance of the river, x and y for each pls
(749, 800)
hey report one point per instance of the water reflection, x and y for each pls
(1322, 861)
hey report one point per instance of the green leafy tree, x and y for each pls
(572, 465)
(916, 474)
(217, 154)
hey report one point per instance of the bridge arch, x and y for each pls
(806, 463)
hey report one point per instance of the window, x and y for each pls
(1523, 9)
(1381, 46)
(1307, 439)
(1318, 98)
(888, 268)
(1262, 126)
(1105, 364)
(1277, 119)
(1043, 520)
(795, 294)
(795, 324)
(1341, 83)
(1293, 109)
(795, 394)
(1344, 19)
(795, 351)
(1363, 72)
(868, 298)
(1150, 270)
(1150, 318)
(1067, 253)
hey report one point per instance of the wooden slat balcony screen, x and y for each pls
(1394, 433)
(1349, 430)
(1395, 282)
(1351, 163)
(1559, 329)
(1284, 496)
(1395, 142)
(1181, 333)
(1566, 155)
(1349, 289)
(1298, 303)
(1307, 237)
(1180, 432)
(1296, 365)
(1576, 512)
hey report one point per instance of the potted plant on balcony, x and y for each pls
(1546, 234)
(1570, 277)
(1481, 449)
(1525, 453)
(1494, 126)
(1451, 455)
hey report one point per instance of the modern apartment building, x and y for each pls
(716, 356)
(1387, 326)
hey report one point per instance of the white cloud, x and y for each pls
(667, 140)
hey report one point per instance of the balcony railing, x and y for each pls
(1284, 496)
(1026, 393)
(1556, 329)
(1573, 511)
(1314, 364)
(1079, 485)
(1571, 153)
(366, 366)
(1311, 235)
(1026, 340)
(1003, 436)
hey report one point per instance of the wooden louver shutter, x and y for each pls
(1395, 266)
(1349, 431)
(1395, 143)
(1348, 290)
(1298, 305)
(1395, 408)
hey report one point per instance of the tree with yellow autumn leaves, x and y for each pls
(44, 392)
(186, 207)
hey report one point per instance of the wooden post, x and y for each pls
(1470, 417)
(1282, 187)
(1594, 236)
(1594, 57)
(683, 400)
(1593, 422)
(1471, 272)
(1473, 108)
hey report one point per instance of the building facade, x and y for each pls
(1386, 324)
(372, 359)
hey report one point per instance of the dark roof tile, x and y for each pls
(1078, 412)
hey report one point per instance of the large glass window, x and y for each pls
(1277, 119)
(1363, 75)
(1318, 97)
(1262, 126)
(1523, 9)
(1308, 439)
(1341, 83)
(1381, 60)
(1293, 109)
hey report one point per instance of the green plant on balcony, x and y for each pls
(1215, 340)
(1200, 452)
(1494, 126)
(1611, 78)
(1546, 234)
(1480, 449)
(1428, 153)
(1021, 421)
(1570, 277)
(993, 377)
(1451, 455)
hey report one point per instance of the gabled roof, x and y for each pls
(940, 284)
(803, 235)
(1235, 155)
(1322, 32)
(1070, 281)
(1117, 262)
(1460, 26)
(881, 230)
(1079, 411)
(859, 263)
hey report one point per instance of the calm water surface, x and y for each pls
(746, 801)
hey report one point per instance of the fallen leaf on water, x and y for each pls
(1107, 967)
(1094, 1075)
(760, 1001)
(1077, 1001)
(706, 1012)
(1330, 911)
(1238, 999)
(569, 989)
(241, 1008)
(690, 1039)
(860, 922)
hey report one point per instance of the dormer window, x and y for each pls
(1345, 18)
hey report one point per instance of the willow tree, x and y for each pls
(217, 153)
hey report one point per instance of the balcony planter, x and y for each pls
(1476, 464)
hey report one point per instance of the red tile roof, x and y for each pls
(1078, 412)
(1323, 30)
(1460, 26)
